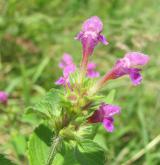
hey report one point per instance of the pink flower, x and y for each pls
(129, 65)
(66, 61)
(90, 36)
(68, 67)
(105, 115)
(3, 97)
(91, 73)
(61, 81)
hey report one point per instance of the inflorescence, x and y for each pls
(81, 87)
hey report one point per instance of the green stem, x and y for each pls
(53, 149)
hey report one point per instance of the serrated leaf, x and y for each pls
(48, 105)
(39, 147)
(89, 153)
(40, 109)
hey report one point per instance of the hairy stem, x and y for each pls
(53, 149)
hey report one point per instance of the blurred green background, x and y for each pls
(34, 34)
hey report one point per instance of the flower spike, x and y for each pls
(80, 98)
(68, 67)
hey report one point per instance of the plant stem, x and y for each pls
(53, 149)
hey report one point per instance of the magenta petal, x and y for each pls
(137, 59)
(79, 36)
(91, 66)
(60, 81)
(104, 111)
(93, 24)
(129, 65)
(3, 97)
(91, 73)
(68, 67)
(110, 110)
(68, 70)
(135, 76)
(108, 124)
(103, 39)
(65, 61)
(88, 44)
(90, 35)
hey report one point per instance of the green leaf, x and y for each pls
(19, 143)
(69, 155)
(48, 105)
(39, 145)
(90, 153)
(100, 139)
(31, 118)
(5, 161)
(110, 97)
(58, 160)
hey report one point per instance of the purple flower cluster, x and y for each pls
(3, 97)
(91, 72)
(130, 64)
(68, 67)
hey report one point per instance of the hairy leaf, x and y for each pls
(48, 105)
(39, 147)
(89, 152)
(69, 154)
